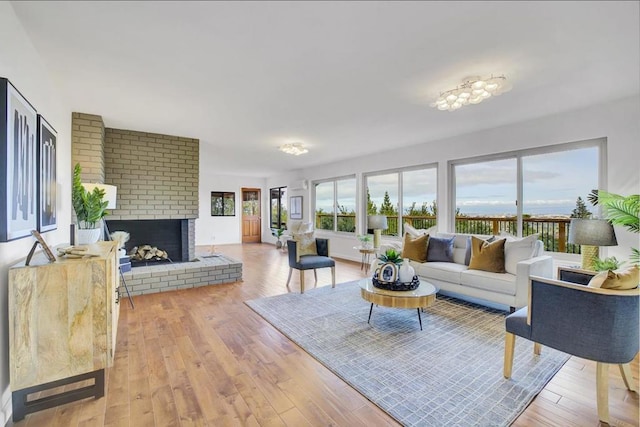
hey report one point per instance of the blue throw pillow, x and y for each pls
(440, 249)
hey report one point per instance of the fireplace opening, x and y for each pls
(170, 235)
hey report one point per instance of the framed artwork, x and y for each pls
(223, 203)
(47, 139)
(295, 211)
(18, 143)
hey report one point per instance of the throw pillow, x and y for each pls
(415, 249)
(516, 250)
(440, 249)
(618, 279)
(416, 232)
(467, 254)
(306, 244)
(487, 256)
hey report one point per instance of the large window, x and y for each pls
(528, 192)
(335, 205)
(278, 207)
(407, 195)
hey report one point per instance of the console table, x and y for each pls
(63, 320)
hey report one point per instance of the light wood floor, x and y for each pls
(201, 357)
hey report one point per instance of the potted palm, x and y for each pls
(89, 206)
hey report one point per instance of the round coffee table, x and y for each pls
(421, 297)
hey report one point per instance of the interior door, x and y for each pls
(251, 217)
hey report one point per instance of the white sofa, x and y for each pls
(501, 288)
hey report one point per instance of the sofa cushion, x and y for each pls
(415, 248)
(440, 249)
(487, 256)
(445, 271)
(504, 283)
(516, 250)
(462, 246)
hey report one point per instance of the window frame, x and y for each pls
(518, 155)
(400, 206)
(280, 206)
(335, 204)
(225, 196)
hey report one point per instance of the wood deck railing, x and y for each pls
(554, 232)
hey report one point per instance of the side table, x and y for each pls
(365, 254)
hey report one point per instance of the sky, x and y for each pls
(552, 182)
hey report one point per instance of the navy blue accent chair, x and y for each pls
(591, 323)
(311, 262)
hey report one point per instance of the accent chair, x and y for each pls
(591, 323)
(310, 262)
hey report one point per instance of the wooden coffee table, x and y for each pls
(421, 297)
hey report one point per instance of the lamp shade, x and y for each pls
(110, 192)
(377, 222)
(592, 232)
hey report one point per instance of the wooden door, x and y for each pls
(251, 217)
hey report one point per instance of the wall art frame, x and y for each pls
(18, 164)
(295, 211)
(47, 176)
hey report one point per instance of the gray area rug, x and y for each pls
(448, 374)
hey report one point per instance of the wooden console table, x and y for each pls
(63, 320)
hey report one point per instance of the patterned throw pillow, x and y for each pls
(440, 249)
(415, 249)
(487, 256)
(306, 244)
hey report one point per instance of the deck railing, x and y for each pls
(554, 232)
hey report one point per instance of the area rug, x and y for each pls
(450, 373)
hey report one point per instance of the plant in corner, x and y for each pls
(620, 210)
(277, 233)
(89, 207)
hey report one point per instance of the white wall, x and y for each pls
(617, 121)
(219, 230)
(21, 64)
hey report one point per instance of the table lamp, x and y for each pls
(590, 234)
(377, 223)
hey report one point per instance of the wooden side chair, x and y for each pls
(591, 323)
(310, 262)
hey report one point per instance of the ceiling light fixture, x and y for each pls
(295, 148)
(473, 91)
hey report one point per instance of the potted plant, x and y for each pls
(620, 210)
(89, 206)
(277, 233)
(366, 241)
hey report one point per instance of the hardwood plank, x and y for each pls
(202, 357)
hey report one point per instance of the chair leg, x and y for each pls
(625, 371)
(509, 346)
(289, 278)
(333, 277)
(602, 386)
(537, 348)
(302, 281)
(315, 276)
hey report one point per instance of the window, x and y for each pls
(407, 195)
(528, 192)
(223, 203)
(278, 207)
(335, 205)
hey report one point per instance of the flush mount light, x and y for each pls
(473, 91)
(295, 148)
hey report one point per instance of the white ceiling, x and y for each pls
(346, 78)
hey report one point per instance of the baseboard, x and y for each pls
(7, 409)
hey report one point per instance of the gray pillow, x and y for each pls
(440, 249)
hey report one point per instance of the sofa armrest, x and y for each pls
(541, 266)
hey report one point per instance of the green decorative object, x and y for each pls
(89, 206)
(391, 256)
(610, 263)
